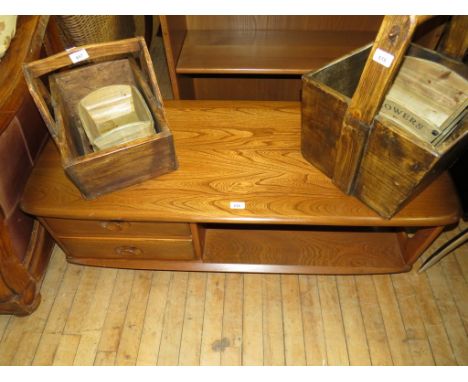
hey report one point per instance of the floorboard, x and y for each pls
(99, 316)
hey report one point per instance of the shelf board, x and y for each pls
(327, 251)
(265, 52)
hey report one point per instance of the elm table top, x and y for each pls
(232, 151)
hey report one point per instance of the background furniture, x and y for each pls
(24, 245)
(262, 57)
(445, 249)
(243, 199)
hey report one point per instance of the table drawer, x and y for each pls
(119, 248)
(71, 227)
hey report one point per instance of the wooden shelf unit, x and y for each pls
(294, 221)
(289, 52)
(263, 57)
(255, 57)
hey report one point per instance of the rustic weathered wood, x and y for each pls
(323, 108)
(426, 99)
(394, 37)
(390, 164)
(95, 173)
(234, 151)
(396, 166)
(455, 41)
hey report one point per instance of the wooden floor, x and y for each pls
(97, 316)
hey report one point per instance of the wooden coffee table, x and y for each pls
(242, 200)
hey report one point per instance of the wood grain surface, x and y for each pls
(129, 248)
(394, 37)
(64, 227)
(265, 52)
(232, 151)
(349, 249)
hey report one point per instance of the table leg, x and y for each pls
(412, 247)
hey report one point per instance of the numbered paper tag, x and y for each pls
(78, 56)
(237, 205)
(383, 58)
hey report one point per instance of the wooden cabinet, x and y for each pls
(242, 200)
(255, 57)
(25, 246)
(260, 57)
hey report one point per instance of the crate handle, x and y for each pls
(393, 38)
(61, 60)
(36, 69)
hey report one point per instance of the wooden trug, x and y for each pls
(118, 62)
(366, 154)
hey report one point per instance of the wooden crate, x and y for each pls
(119, 62)
(365, 153)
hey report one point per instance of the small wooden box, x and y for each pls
(392, 165)
(125, 62)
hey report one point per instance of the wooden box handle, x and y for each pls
(393, 39)
(36, 69)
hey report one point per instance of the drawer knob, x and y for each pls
(114, 226)
(126, 250)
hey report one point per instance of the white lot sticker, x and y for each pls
(237, 205)
(78, 56)
(383, 58)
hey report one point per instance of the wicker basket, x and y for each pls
(86, 29)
